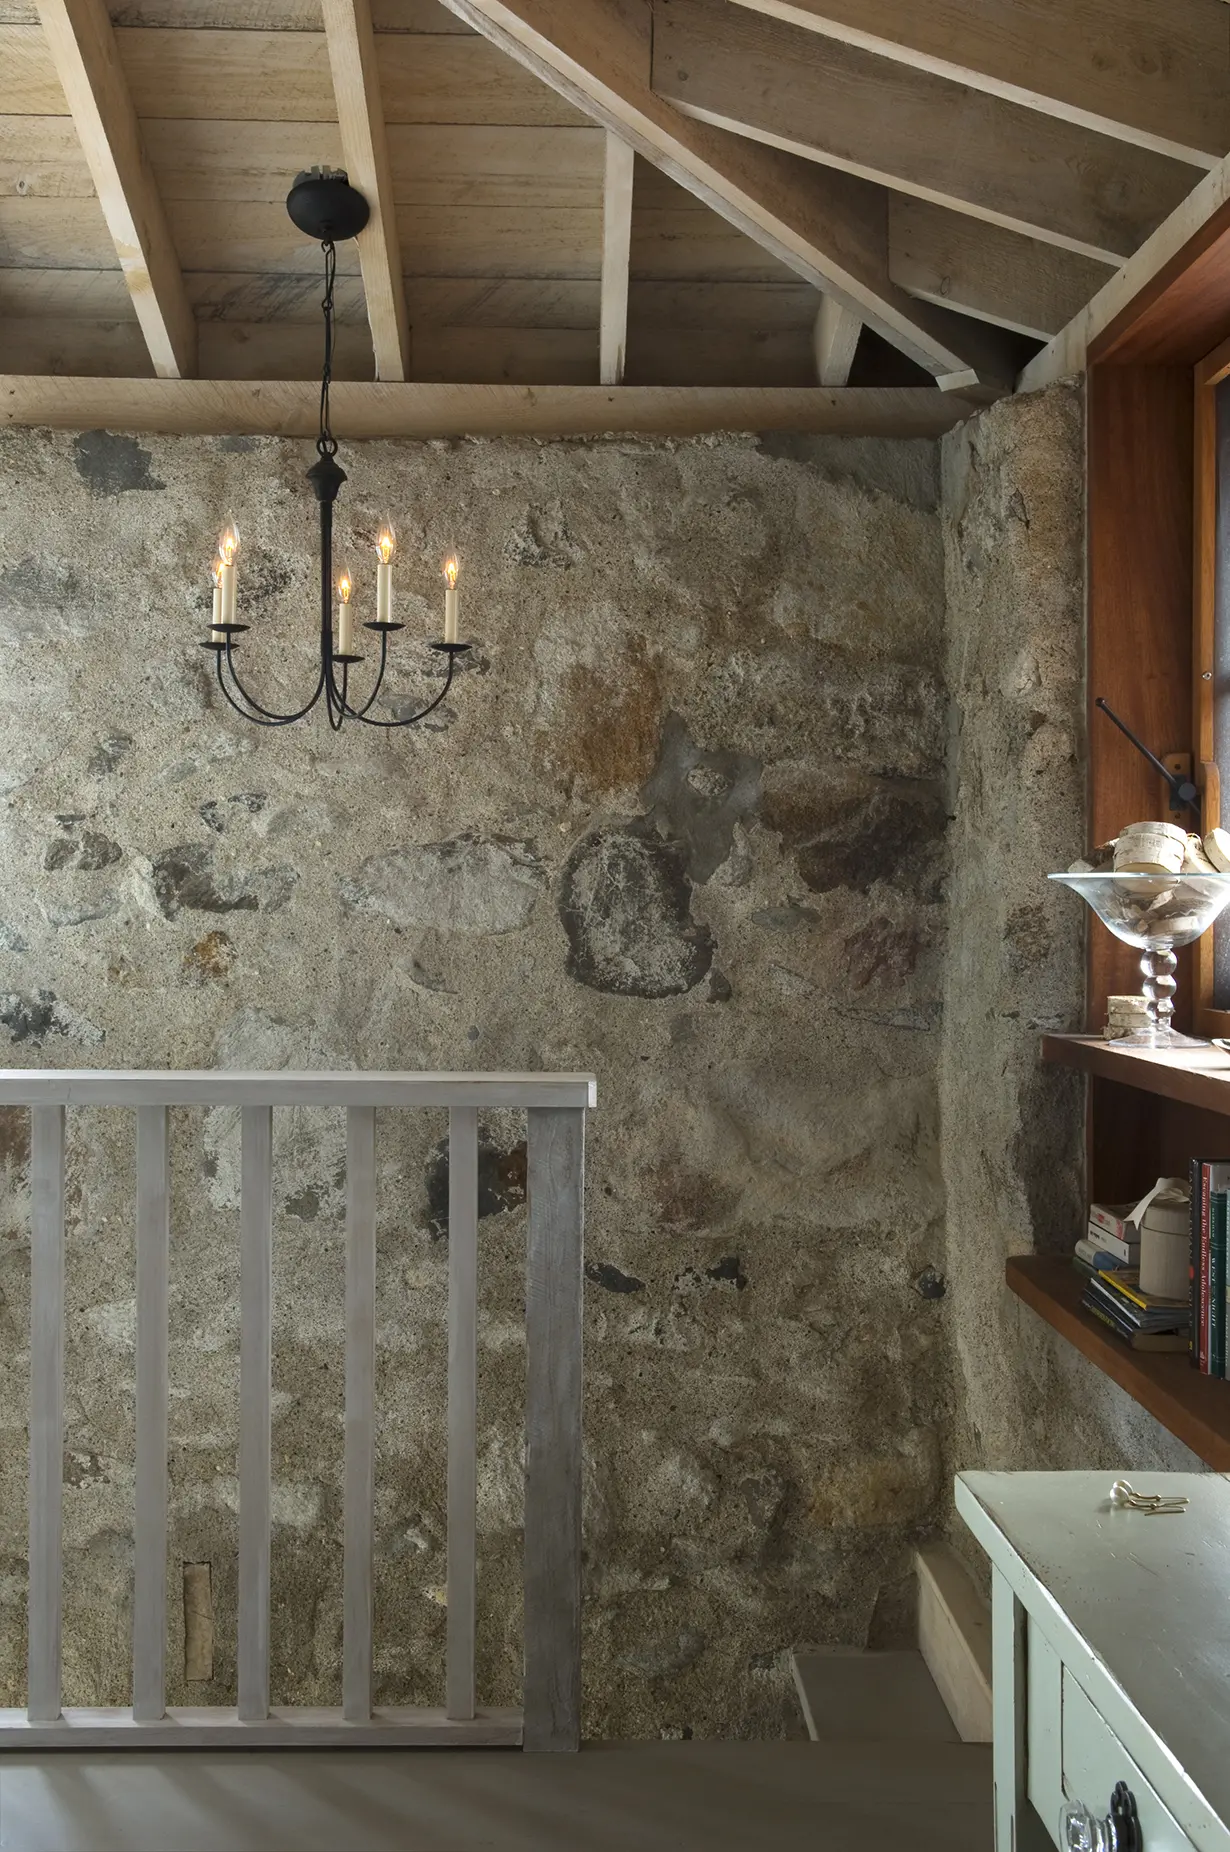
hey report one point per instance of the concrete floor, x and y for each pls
(631, 1797)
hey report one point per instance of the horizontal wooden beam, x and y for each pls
(1202, 218)
(832, 234)
(907, 129)
(1158, 76)
(983, 270)
(392, 408)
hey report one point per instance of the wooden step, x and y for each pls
(853, 1696)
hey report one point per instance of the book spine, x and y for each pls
(1204, 1269)
(1128, 1252)
(1109, 1223)
(1104, 1318)
(1193, 1262)
(1217, 1284)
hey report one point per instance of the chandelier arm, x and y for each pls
(357, 713)
(267, 714)
(412, 719)
(261, 718)
(340, 698)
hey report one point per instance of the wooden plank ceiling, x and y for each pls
(733, 193)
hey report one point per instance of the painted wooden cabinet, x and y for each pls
(1111, 1645)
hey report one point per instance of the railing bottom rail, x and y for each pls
(213, 1727)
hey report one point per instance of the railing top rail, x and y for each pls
(321, 1087)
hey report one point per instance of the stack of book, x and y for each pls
(1208, 1273)
(1140, 1319)
(1109, 1258)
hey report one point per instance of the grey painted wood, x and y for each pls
(255, 1407)
(462, 1406)
(618, 1797)
(213, 1726)
(848, 1695)
(45, 1594)
(1008, 1689)
(360, 1468)
(227, 1087)
(1138, 1611)
(556, 1175)
(149, 1611)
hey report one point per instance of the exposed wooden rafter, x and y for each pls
(833, 233)
(616, 250)
(1204, 216)
(841, 106)
(981, 269)
(360, 115)
(400, 409)
(1158, 76)
(834, 340)
(82, 45)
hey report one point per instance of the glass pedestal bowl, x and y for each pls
(1158, 914)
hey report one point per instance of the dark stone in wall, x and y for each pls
(697, 797)
(602, 1273)
(108, 753)
(892, 836)
(625, 902)
(88, 852)
(111, 465)
(185, 877)
(501, 1182)
(31, 1018)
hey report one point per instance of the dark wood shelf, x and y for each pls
(1195, 1408)
(1194, 1076)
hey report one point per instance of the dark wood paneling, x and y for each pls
(1182, 312)
(1194, 1407)
(1140, 616)
(1135, 1138)
(1192, 1076)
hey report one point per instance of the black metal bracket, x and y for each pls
(1183, 792)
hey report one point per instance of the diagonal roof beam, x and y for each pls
(83, 50)
(1157, 76)
(832, 231)
(360, 116)
(941, 141)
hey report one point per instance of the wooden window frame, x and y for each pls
(1208, 375)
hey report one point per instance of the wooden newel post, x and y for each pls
(556, 1179)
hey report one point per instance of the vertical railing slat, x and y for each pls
(149, 1620)
(360, 1467)
(553, 1306)
(255, 1399)
(46, 1411)
(462, 1405)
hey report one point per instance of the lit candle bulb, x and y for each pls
(450, 600)
(386, 546)
(228, 549)
(215, 572)
(345, 616)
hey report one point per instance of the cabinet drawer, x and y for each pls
(1094, 1760)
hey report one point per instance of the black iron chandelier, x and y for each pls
(323, 204)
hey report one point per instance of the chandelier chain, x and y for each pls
(326, 443)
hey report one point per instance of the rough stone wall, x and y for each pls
(1013, 506)
(681, 823)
